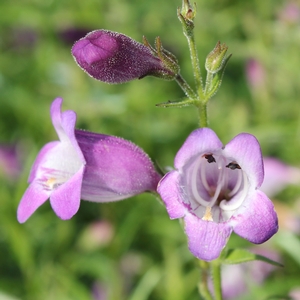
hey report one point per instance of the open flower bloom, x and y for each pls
(215, 189)
(82, 164)
(113, 57)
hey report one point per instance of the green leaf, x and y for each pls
(181, 103)
(237, 256)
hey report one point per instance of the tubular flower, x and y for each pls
(215, 189)
(113, 57)
(82, 164)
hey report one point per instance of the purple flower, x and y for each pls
(116, 58)
(255, 74)
(214, 188)
(10, 165)
(278, 175)
(82, 164)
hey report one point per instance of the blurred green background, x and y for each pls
(130, 249)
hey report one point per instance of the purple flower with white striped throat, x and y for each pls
(215, 189)
(84, 165)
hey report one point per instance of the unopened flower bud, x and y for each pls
(116, 58)
(187, 10)
(216, 59)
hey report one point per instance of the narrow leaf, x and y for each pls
(237, 256)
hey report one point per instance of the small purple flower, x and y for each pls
(82, 164)
(116, 58)
(10, 165)
(256, 74)
(278, 175)
(215, 189)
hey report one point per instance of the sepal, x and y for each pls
(167, 58)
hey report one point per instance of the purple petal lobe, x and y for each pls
(55, 112)
(206, 238)
(200, 141)
(115, 168)
(100, 47)
(64, 124)
(65, 200)
(245, 149)
(256, 221)
(42, 157)
(33, 198)
(168, 188)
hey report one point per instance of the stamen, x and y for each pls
(220, 185)
(228, 205)
(51, 179)
(203, 177)
(208, 215)
(209, 158)
(51, 182)
(237, 185)
(194, 184)
(233, 165)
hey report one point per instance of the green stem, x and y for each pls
(185, 87)
(216, 275)
(188, 30)
(195, 61)
(209, 78)
(203, 285)
(202, 112)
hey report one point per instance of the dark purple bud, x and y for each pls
(116, 58)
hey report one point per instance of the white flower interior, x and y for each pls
(60, 164)
(217, 186)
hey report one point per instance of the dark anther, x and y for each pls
(233, 165)
(209, 158)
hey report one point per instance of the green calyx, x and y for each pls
(169, 61)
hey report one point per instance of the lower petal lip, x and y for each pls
(206, 239)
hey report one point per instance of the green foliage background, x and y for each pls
(147, 257)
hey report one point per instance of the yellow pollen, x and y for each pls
(50, 182)
(208, 215)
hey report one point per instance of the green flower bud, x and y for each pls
(216, 59)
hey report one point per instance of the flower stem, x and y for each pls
(202, 112)
(195, 62)
(185, 87)
(203, 285)
(216, 275)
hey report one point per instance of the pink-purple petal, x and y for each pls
(170, 194)
(41, 158)
(245, 149)
(199, 142)
(68, 125)
(65, 200)
(33, 198)
(256, 220)
(206, 239)
(55, 112)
